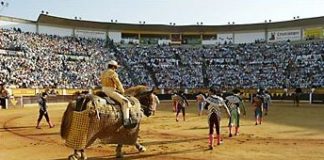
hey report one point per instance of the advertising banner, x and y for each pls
(313, 33)
(276, 36)
(24, 92)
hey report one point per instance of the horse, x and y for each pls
(95, 119)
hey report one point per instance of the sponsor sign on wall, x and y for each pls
(313, 33)
(276, 36)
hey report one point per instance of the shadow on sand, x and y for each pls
(137, 155)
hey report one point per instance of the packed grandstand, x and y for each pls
(38, 60)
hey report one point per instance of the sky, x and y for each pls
(181, 12)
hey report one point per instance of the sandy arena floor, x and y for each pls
(288, 132)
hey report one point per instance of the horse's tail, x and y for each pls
(67, 119)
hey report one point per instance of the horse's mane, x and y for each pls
(136, 90)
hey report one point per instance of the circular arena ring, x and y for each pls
(288, 132)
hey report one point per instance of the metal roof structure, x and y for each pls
(183, 29)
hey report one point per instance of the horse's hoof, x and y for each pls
(83, 156)
(119, 155)
(141, 149)
(73, 157)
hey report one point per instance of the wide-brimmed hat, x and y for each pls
(114, 63)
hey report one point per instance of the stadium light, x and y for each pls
(4, 4)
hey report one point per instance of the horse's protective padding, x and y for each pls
(78, 132)
(103, 122)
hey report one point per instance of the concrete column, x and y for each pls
(37, 28)
(73, 32)
(310, 98)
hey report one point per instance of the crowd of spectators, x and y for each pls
(30, 60)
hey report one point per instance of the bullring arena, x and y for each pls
(288, 132)
(60, 55)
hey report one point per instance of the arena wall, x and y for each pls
(23, 101)
(164, 41)
(53, 30)
(24, 26)
(249, 37)
(294, 30)
(225, 37)
(115, 36)
(90, 33)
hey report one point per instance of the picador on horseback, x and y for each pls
(113, 88)
(96, 116)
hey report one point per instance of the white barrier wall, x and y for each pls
(115, 36)
(90, 34)
(248, 37)
(130, 40)
(292, 35)
(209, 42)
(221, 39)
(43, 29)
(25, 27)
(224, 37)
(164, 41)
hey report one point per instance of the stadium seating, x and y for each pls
(29, 60)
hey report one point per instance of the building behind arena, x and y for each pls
(293, 30)
(298, 31)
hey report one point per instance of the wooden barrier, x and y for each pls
(24, 92)
(32, 92)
